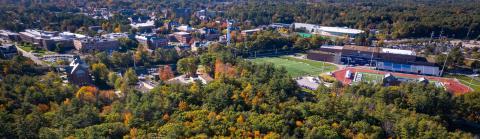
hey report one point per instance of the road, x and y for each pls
(31, 56)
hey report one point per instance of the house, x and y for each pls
(78, 74)
(8, 51)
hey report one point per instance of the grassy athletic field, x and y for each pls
(297, 67)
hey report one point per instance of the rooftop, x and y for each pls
(149, 23)
(398, 51)
(181, 33)
(341, 30)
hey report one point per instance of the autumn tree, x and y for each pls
(165, 73)
(87, 93)
(224, 69)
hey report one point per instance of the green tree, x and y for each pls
(100, 74)
(187, 66)
(130, 77)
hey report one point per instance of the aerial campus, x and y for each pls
(239, 69)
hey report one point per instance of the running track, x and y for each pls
(452, 85)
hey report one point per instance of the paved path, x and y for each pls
(31, 56)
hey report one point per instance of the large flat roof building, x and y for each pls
(381, 58)
(328, 31)
(49, 39)
(96, 44)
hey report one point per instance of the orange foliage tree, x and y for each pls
(165, 73)
(127, 117)
(225, 69)
(87, 93)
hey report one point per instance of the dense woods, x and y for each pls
(244, 100)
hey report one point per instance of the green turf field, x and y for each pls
(377, 78)
(371, 77)
(297, 67)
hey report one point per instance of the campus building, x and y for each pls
(78, 74)
(181, 37)
(8, 35)
(96, 44)
(328, 31)
(382, 58)
(8, 51)
(151, 41)
(49, 40)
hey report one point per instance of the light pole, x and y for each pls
(444, 63)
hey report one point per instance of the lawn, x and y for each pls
(474, 84)
(26, 48)
(297, 67)
(30, 48)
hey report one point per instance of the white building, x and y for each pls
(398, 51)
(185, 28)
(328, 31)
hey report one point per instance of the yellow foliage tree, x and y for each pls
(117, 29)
(87, 93)
(183, 105)
(211, 115)
(272, 135)
(257, 134)
(127, 117)
(194, 88)
(133, 133)
(240, 119)
(67, 101)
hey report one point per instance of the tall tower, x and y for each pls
(229, 25)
